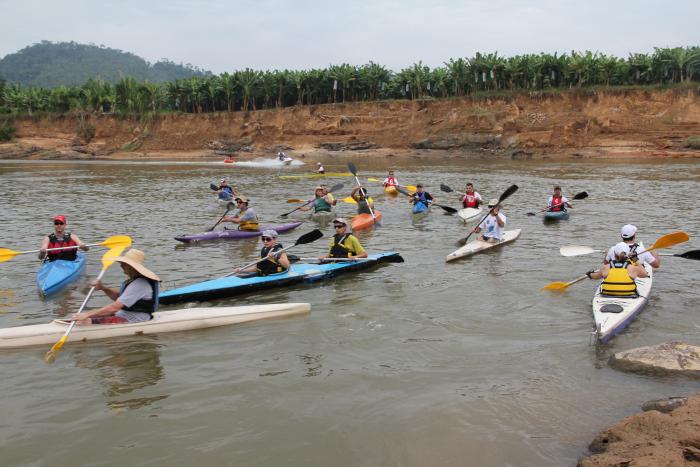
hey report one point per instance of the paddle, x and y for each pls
(229, 205)
(572, 250)
(665, 241)
(353, 170)
(303, 240)
(107, 260)
(213, 187)
(446, 188)
(333, 188)
(563, 285)
(387, 259)
(297, 200)
(582, 195)
(509, 191)
(447, 209)
(115, 240)
(351, 200)
(408, 187)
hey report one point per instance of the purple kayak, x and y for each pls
(234, 234)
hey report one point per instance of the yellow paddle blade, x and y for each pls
(556, 286)
(117, 240)
(670, 240)
(296, 200)
(109, 257)
(352, 201)
(372, 179)
(410, 187)
(6, 254)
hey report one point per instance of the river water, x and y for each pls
(413, 364)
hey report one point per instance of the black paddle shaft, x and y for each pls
(447, 209)
(509, 191)
(228, 208)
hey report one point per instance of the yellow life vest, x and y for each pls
(249, 225)
(618, 283)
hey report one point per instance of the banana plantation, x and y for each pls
(251, 89)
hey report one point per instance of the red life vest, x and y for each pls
(470, 201)
(391, 181)
(55, 242)
(557, 201)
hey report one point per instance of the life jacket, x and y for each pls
(338, 250)
(557, 204)
(226, 192)
(55, 242)
(321, 205)
(248, 225)
(269, 266)
(363, 206)
(143, 305)
(470, 201)
(420, 198)
(618, 283)
(391, 181)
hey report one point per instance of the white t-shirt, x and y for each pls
(490, 227)
(140, 289)
(563, 201)
(644, 258)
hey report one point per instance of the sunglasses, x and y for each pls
(339, 226)
(58, 223)
(266, 239)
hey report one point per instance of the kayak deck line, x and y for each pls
(162, 322)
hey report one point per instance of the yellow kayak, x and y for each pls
(327, 174)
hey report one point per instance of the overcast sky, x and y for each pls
(220, 35)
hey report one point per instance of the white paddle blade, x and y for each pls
(576, 250)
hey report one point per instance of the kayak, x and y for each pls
(323, 217)
(286, 160)
(315, 175)
(470, 214)
(391, 190)
(298, 273)
(362, 221)
(163, 321)
(477, 246)
(419, 208)
(613, 314)
(556, 215)
(235, 234)
(229, 161)
(52, 276)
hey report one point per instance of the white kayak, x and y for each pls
(477, 246)
(163, 321)
(613, 314)
(470, 214)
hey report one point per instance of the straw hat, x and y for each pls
(134, 258)
(492, 202)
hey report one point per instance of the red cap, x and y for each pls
(60, 218)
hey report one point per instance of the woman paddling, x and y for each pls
(363, 203)
(275, 262)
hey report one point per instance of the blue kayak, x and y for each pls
(419, 207)
(52, 276)
(298, 273)
(556, 215)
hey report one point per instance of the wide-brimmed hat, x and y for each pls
(242, 198)
(492, 202)
(134, 258)
(60, 218)
(318, 188)
(628, 231)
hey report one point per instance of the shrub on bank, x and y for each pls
(693, 142)
(7, 131)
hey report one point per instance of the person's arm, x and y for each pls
(107, 310)
(283, 260)
(43, 247)
(549, 202)
(113, 294)
(356, 248)
(79, 242)
(599, 274)
(501, 219)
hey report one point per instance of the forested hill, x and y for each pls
(50, 64)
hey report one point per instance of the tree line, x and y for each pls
(252, 89)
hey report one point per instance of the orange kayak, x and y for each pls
(390, 190)
(362, 221)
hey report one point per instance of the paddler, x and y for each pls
(470, 198)
(390, 180)
(319, 168)
(321, 203)
(343, 243)
(421, 196)
(225, 191)
(492, 224)
(136, 299)
(328, 194)
(359, 194)
(58, 239)
(246, 218)
(557, 202)
(634, 250)
(274, 262)
(619, 274)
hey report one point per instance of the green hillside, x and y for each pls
(49, 64)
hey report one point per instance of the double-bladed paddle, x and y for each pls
(111, 242)
(447, 209)
(582, 195)
(385, 259)
(107, 260)
(353, 170)
(333, 188)
(573, 250)
(303, 240)
(509, 191)
(229, 205)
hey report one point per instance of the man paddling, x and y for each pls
(493, 224)
(225, 191)
(274, 263)
(59, 239)
(319, 168)
(557, 202)
(322, 202)
(633, 248)
(470, 198)
(344, 244)
(390, 180)
(246, 218)
(136, 300)
(359, 194)
(421, 196)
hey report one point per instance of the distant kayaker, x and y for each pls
(328, 194)
(246, 218)
(390, 180)
(493, 224)
(359, 194)
(635, 250)
(619, 274)
(322, 202)
(421, 196)
(274, 262)
(470, 198)
(281, 156)
(319, 168)
(344, 244)
(136, 299)
(225, 191)
(557, 202)
(58, 239)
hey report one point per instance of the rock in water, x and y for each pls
(670, 357)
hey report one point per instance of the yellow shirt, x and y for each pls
(352, 244)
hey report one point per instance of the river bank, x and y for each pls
(564, 125)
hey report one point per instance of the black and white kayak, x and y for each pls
(163, 321)
(613, 314)
(477, 246)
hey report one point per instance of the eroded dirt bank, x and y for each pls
(568, 124)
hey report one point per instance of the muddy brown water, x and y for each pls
(421, 363)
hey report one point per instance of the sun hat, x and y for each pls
(242, 198)
(318, 188)
(134, 258)
(628, 231)
(60, 218)
(318, 163)
(340, 220)
(492, 202)
(270, 233)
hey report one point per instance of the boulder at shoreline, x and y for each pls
(668, 358)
